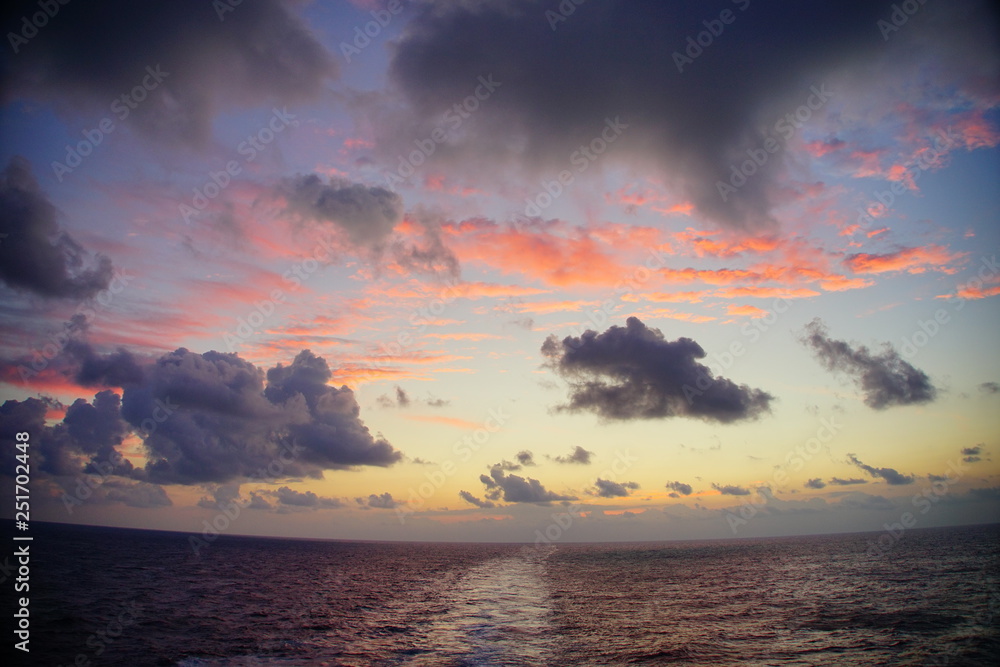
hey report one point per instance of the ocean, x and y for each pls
(104, 596)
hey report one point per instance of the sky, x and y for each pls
(502, 270)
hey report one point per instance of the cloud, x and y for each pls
(690, 121)
(990, 387)
(482, 504)
(117, 369)
(890, 475)
(606, 488)
(367, 214)
(815, 483)
(258, 502)
(972, 454)
(886, 378)
(525, 458)
(210, 418)
(89, 434)
(837, 481)
(426, 254)
(680, 487)
(222, 495)
(731, 490)
(864, 501)
(402, 399)
(507, 466)
(632, 372)
(517, 489)
(135, 494)
(36, 255)
(288, 497)
(384, 501)
(912, 260)
(578, 455)
(91, 54)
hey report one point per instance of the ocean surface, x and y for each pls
(125, 597)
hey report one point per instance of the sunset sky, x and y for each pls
(495, 269)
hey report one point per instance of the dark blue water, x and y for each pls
(122, 597)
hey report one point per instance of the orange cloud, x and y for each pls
(545, 307)
(766, 292)
(555, 254)
(912, 260)
(746, 311)
(987, 288)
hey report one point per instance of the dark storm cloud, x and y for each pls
(517, 489)
(117, 369)
(88, 434)
(366, 214)
(731, 490)
(578, 455)
(210, 418)
(632, 372)
(482, 504)
(557, 86)
(226, 424)
(886, 378)
(837, 481)
(890, 475)
(606, 488)
(36, 255)
(680, 487)
(815, 483)
(90, 54)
